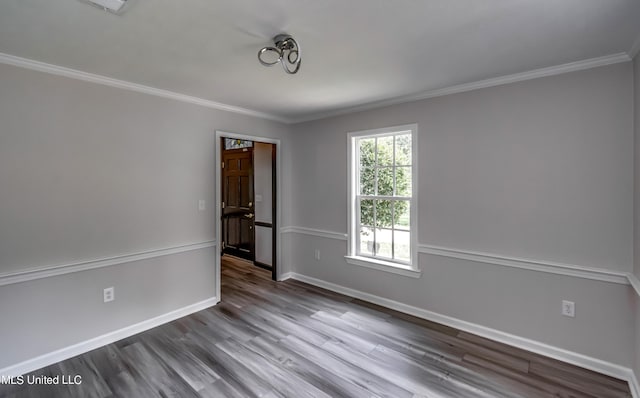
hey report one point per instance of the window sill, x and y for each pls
(386, 266)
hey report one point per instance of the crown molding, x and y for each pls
(497, 81)
(111, 82)
(460, 88)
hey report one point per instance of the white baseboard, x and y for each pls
(594, 364)
(85, 346)
(285, 276)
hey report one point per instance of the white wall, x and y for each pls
(541, 169)
(263, 188)
(90, 172)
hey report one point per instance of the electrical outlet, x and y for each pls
(109, 294)
(568, 308)
(317, 254)
(202, 205)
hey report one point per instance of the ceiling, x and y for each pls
(355, 52)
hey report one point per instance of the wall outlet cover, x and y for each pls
(109, 294)
(568, 308)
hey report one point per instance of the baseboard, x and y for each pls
(594, 364)
(80, 348)
(285, 276)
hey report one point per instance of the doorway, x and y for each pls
(238, 199)
(247, 200)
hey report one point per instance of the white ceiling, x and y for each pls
(354, 51)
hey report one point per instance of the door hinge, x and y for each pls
(223, 245)
(223, 165)
(223, 205)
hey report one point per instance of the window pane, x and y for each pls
(366, 212)
(367, 181)
(366, 241)
(383, 176)
(232, 143)
(384, 217)
(402, 214)
(385, 181)
(385, 151)
(402, 245)
(403, 150)
(367, 150)
(384, 242)
(403, 181)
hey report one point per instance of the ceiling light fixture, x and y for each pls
(113, 6)
(288, 51)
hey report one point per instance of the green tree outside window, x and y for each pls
(385, 166)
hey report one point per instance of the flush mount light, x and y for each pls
(286, 51)
(113, 6)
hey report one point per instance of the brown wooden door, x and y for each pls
(238, 238)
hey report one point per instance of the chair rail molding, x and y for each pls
(599, 274)
(578, 271)
(635, 282)
(314, 232)
(55, 270)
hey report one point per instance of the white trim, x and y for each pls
(634, 385)
(635, 48)
(578, 271)
(461, 88)
(55, 270)
(594, 364)
(108, 81)
(353, 223)
(386, 266)
(533, 265)
(314, 232)
(285, 276)
(635, 283)
(85, 346)
(218, 177)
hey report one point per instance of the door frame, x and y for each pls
(277, 220)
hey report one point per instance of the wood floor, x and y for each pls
(290, 339)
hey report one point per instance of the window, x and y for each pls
(382, 199)
(233, 143)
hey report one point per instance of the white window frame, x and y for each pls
(352, 257)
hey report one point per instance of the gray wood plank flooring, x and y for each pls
(290, 339)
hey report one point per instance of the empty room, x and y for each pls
(294, 198)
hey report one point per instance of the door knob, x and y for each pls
(249, 215)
